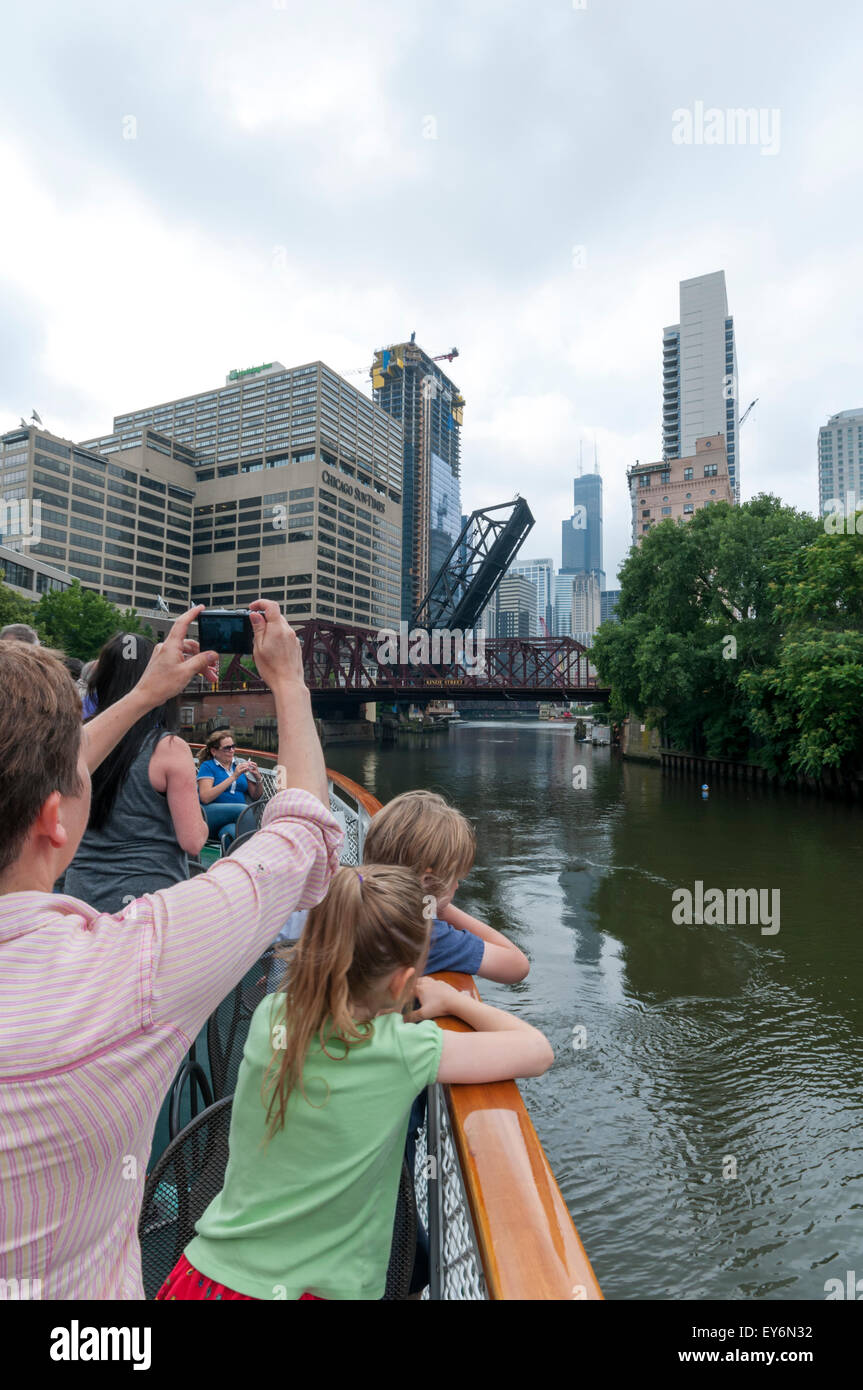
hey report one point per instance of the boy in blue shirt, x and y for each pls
(421, 831)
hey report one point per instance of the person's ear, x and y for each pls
(49, 823)
(399, 981)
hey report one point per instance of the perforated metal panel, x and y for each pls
(461, 1275)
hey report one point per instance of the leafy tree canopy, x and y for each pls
(79, 621)
(741, 633)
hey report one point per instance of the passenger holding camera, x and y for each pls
(224, 784)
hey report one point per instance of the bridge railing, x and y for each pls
(340, 657)
(497, 1222)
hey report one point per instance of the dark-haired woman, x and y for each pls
(145, 817)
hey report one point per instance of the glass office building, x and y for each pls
(410, 386)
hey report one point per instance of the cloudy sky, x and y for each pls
(199, 186)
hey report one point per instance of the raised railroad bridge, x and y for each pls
(342, 666)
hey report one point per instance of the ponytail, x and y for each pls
(370, 925)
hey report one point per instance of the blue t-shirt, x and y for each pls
(236, 791)
(451, 949)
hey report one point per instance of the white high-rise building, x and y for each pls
(540, 573)
(562, 611)
(586, 607)
(700, 394)
(840, 462)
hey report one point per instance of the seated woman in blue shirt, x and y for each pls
(224, 784)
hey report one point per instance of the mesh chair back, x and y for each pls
(403, 1249)
(228, 1026)
(235, 844)
(185, 1180)
(247, 819)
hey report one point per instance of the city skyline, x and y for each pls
(130, 273)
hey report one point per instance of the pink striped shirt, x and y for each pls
(96, 1014)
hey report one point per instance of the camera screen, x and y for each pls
(225, 632)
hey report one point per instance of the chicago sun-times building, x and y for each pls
(283, 483)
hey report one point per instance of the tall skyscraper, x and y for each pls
(412, 388)
(608, 605)
(840, 462)
(699, 373)
(562, 613)
(514, 607)
(586, 607)
(581, 533)
(540, 573)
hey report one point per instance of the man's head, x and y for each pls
(19, 632)
(44, 782)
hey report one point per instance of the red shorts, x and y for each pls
(187, 1283)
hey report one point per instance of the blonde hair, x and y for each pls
(421, 831)
(369, 925)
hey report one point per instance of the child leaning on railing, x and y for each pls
(320, 1114)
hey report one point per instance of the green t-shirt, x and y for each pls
(313, 1210)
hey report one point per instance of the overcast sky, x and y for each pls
(317, 180)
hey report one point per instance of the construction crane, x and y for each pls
(367, 371)
(747, 410)
(441, 357)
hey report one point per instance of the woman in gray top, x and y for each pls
(145, 817)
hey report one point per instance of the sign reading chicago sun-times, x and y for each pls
(365, 498)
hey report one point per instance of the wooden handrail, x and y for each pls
(528, 1243)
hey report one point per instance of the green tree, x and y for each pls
(806, 704)
(14, 608)
(698, 606)
(80, 621)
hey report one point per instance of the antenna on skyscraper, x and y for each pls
(595, 458)
(580, 457)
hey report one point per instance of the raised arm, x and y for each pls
(211, 929)
(279, 659)
(501, 1048)
(172, 665)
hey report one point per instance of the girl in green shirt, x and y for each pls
(330, 1070)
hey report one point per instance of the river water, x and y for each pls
(704, 1115)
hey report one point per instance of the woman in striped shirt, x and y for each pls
(98, 1010)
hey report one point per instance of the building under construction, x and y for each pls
(410, 385)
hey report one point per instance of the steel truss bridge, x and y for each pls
(342, 665)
